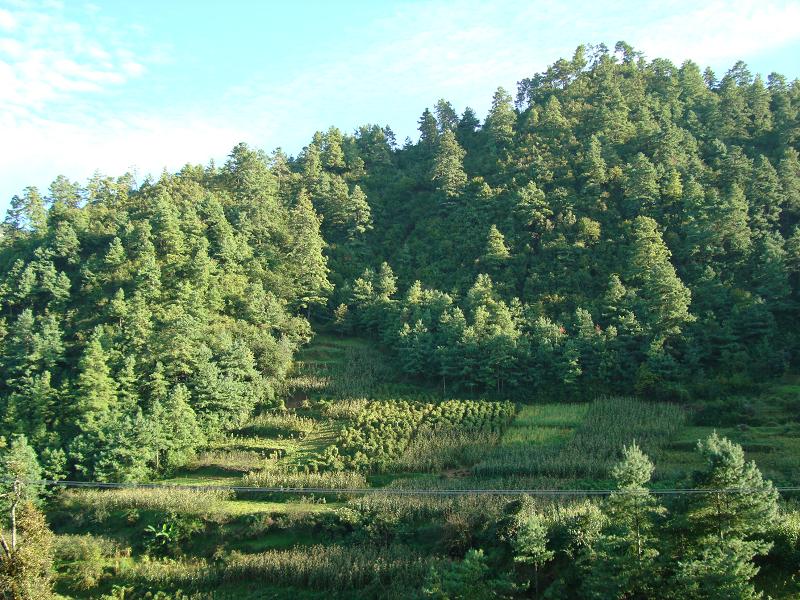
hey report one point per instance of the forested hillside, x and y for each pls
(140, 321)
(621, 225)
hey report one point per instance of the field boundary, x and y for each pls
(397, 491)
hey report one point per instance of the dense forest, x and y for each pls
(140, 320)
(576, 293)
(621, 224)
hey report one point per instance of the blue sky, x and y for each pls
(146, 85)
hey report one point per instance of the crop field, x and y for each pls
(371, 428)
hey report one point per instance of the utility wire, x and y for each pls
(397, 491)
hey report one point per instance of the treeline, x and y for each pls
(623, 224)
(137, 321)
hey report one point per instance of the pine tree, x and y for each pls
(95, 390)
(765, 196)
(748, 505)
(663, 298)
(310, 269)
(641, 187)
(470, 578)
(385, 282)
(446, 116)
(500, 122)
(332, 153)
(65, 193)
(429, 131)
(360, 214)
(496, 250)
(27, 213)
(181, 429)
(726, 525)
(623, 562)
(448, 170)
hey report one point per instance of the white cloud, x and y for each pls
(51, 59)
(720, 31)
(141, 144)
(462, 50)
(7, 20)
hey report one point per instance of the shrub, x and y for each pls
(84, 558)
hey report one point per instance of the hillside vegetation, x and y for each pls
(218, 544)
(595, 288)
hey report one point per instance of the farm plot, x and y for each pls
(580, 441)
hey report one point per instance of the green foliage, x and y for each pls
(747, 513)
(19, 462)
(167, 537)
(151, 317)
(381, 432)
(591, 452)
(101, 503)
(286, 479)
(627, 226)
(469, 578)
(391, 572)
(610, 169)
(530, 543)
(623, 562)
(83, 558)
(26, 571)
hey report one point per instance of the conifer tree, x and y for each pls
(446, 116)
(448, 170)
(95, 390)
(496, 250)
(663, 297)
(500, 121)
(726, 524)
(623, 562)
(309, 264)
(429, 131)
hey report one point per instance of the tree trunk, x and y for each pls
(14, 502)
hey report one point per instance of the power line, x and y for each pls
(396, 491)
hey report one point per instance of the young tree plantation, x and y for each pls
(594, 290)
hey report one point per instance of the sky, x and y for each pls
(146, 85)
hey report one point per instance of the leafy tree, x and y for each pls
(469, 578)
(26, 567)
(530, 544)
(18, 462)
